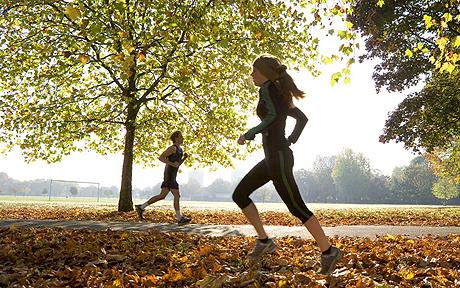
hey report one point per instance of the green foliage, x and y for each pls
(446, 161)
(429, 121)
(322, 175)
(413, 183)
(352, 175)
(410, 37)
(445, 189)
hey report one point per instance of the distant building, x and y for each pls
(197, 176)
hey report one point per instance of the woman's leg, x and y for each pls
(252, 214)
(287, 188)
(284, 181)
(255, 178)
(317, 232)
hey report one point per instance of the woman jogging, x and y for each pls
(173, 157)
(277, 89)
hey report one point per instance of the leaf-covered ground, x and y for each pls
(84, 258)
(328, 217)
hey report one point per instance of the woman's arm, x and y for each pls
(269, 118)
(300, 122)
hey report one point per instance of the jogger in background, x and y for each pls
(173, 157)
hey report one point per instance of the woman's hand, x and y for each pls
(241, 140)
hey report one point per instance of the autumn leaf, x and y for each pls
(83, 58)
(141, 56)
(72, 12)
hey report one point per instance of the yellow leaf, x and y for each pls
(349, 24)
(390, 237)
(119, 57)
(83, 58)
(408, 53)
(442, 42)
(456, 41)
(72, 13)
(183, 259)
(408, 275)
(447, 17)
(127, 46)
(427, 20)
(141, 57)
(446, 66)
(380, 3)
(118, 282)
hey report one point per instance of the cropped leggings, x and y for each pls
(277, 166)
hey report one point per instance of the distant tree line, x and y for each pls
(343, 178)
(44, 187)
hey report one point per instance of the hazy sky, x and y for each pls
(343, 116)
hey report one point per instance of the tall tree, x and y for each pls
(322, 172)
(352, 176)
(413, 183)
(410, 38)
(445, 189)
(308, 185)
(429, 122)
(120, 75)
(418, 41)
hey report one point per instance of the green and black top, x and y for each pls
(273, 111)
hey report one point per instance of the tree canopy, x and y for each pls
(418, 41)
(409, 38)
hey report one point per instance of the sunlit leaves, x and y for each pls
(397, 29)
(72, 12)
(83, 59)
(178, 62)
(408, 53)
(446, 189)
(428, 21)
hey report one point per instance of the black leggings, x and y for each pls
(276, 166)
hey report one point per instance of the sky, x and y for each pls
(343, 116)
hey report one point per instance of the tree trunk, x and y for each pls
(125, 203)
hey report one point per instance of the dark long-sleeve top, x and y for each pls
(273, 112)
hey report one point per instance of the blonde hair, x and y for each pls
(272, 68)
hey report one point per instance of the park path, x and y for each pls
(370, 231)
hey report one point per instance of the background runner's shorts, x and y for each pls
(170, 184)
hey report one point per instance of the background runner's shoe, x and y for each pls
(140, 212)
(262, 248)
(184, 220)
(329, 261)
